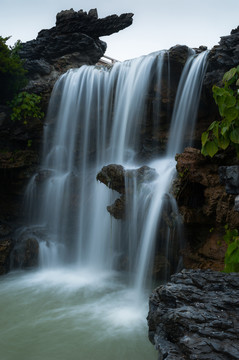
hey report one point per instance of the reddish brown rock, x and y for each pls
(205, 207)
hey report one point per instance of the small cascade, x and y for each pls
(186, 102)
(96, 117)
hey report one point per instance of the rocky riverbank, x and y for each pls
(196, 316)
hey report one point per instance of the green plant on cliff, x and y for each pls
(225, 132)
(231, 238)
(26, 106)
(12, 72)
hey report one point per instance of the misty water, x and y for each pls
(89, 298)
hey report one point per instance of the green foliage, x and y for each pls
(225, 132)
(231, 237)
(26, 106)
(12, 73)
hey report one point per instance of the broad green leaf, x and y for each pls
(203, 151)
(229, 74)
(224, 130)
(212, 125)
(234, 136)
(231, 113)
(217, 91)
(204, 137)
(211, 148)
(237, 83)
(231, 248)
(230, 101)
(223, 142)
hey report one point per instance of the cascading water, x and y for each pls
(78, 302)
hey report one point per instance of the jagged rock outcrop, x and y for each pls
(117, 178)
(196, 316)
(74, 41)
(205, 207)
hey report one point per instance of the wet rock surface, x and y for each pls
(229, 175)
(196, 316)
(117, 178)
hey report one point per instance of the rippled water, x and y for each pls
(70, 315)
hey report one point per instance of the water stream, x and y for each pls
(77, 305)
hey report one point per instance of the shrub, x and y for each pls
(26, 106)
(12, 72)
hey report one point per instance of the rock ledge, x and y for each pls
(196, 316)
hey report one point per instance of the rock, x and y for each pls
(25, 253)
(196, 316)
(229, 175)
(73, 42)
(113, 176)
(117, 210)
(237, 203)
(6, 246)
(117, 178)
(205, 208)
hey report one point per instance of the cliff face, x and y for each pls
(206, 207)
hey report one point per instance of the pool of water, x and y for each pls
(69, 314)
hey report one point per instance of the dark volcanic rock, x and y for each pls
(73, 42)
(229, 175)
(196, 316)
(74, 32)
(222, 57)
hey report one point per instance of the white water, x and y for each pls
(78, 306)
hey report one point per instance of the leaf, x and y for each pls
(229, 74)
(212, 125)
(204, 137)
(217, 91)
(223, 142)
(231, 113)
(231, 248)
(224, 130)
(230, 101)
(211, 148)
(234, 136)
(215, 130)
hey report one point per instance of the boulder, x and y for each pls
(196, 316)
(117, 178)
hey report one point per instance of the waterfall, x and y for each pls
(96, 117)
